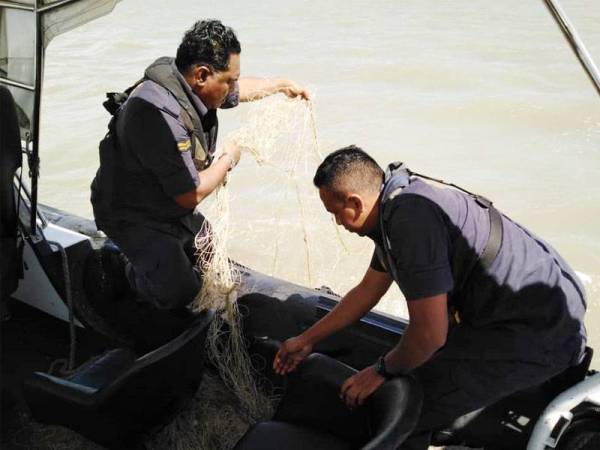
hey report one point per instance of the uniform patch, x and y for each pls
(184, 146)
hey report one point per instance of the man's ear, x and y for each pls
(355, 202)
(201, 74)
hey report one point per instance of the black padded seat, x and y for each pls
(99, 370)
(312, 412)
(282, 435)
(116, 398)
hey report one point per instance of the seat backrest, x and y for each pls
(116, 400)
(570, 376)
(10, 161)
(394, 410)
(164, 367)
(383, 422)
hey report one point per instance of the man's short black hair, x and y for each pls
(349, 168)
(208, 42)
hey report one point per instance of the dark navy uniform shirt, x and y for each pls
(154, 163)
(529, 302)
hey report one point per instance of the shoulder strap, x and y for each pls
(397, 177)
(494, 242)
(114, 100)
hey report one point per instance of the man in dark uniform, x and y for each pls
(157, 161)
(482, 324)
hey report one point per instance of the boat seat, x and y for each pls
(10, 161)
(273, 435)
(311, 415)
(116, 398)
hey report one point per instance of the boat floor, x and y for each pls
(33, 341)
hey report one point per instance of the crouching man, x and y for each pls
(493, 309)
(157, 162)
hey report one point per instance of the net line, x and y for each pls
(274, 135)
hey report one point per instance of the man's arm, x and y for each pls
(426, 334)
(420, 249)
(252, 88)
(355, 304)
(210, 177)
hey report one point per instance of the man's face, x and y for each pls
(347, 208)
(214, 86)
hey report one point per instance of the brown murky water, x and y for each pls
(486, 94)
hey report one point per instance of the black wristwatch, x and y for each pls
(382, 370)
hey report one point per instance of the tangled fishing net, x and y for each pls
(272, 125)
(279, 133)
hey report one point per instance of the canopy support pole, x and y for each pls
(575, 42)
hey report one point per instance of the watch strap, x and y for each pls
(381, 369)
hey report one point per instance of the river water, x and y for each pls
(481, 93)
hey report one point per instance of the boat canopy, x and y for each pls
(26, 28)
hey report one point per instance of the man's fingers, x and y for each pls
(285, 363)
(346, 387)
(349, 392)
(281, 359)
(360, 399)
(350, 397)
(295, 90)
(277, 361)
(287, 369)
(288, 357)
(291, 364)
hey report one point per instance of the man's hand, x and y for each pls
(233, 150)
(211, 177)
(293, 90)
(291, 353)
(359, 387)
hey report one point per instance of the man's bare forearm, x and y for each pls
(252, 88)
(355, 304)
(213, 176)
(210, 178)
(351, 308)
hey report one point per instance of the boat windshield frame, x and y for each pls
(26, 28)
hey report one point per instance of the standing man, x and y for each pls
(157, 160)
(492, 308)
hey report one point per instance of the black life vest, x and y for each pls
(397, 177)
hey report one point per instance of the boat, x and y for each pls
(129, 369)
